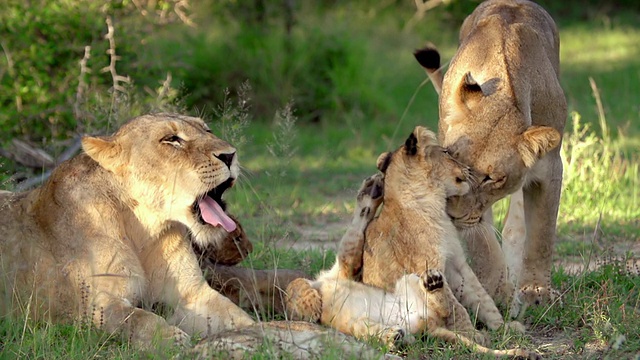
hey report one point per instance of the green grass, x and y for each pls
(300, 177)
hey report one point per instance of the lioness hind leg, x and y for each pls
(541, 206)
(352, 244)
(302, 301)
(140, 327)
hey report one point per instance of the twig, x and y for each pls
(164, 90)
(82, 84)
(422, 7)
(180, 8)
(117, 79)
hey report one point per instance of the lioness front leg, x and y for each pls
(111, 293)
(352, 243)
(176, 279)
(487, 259)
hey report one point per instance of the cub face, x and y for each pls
(421, 165)
(174, 169)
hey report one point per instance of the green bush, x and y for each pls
(321, 68)
(43, 42)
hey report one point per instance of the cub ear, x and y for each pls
(411, 144)
(471, 91)
(536, 141)
(104, 150)
(425, 136)
(383, 161)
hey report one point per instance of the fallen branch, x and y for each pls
(67, 154)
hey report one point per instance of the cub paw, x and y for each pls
(533, 294)
(522, 354)
(370, 195)
(433, 280)
(480, 337)
(303, 302)
(516, 326)
(394, 337)
(181, 338)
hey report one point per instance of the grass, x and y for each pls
(301, 175)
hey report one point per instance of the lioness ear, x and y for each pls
(104, 151)
(471, 92)
(383, 161)
(536, 142)
(429, 58)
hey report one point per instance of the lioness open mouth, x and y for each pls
(210, 207)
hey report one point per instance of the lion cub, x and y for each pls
(417, 303)
(414, 232)
(334, 299)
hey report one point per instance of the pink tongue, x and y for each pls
(213, 214)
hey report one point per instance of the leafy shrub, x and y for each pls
(321, 68)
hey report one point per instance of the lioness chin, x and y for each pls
(502, 111)
(109, 232)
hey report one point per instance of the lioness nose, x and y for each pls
(226, 158)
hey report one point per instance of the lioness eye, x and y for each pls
(174, 140)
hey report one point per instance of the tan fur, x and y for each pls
(109, 233)
(417, 304)
(414, 233)
(502, 111)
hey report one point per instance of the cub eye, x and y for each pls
(173, 140)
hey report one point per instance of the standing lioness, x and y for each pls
(108, 233)
(502, 111)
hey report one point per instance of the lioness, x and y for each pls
(502, 111)
(419, 303)
(108, 233)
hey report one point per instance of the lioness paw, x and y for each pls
(433, 280)
(303, 302)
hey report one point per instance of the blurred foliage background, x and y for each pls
(345, 64)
